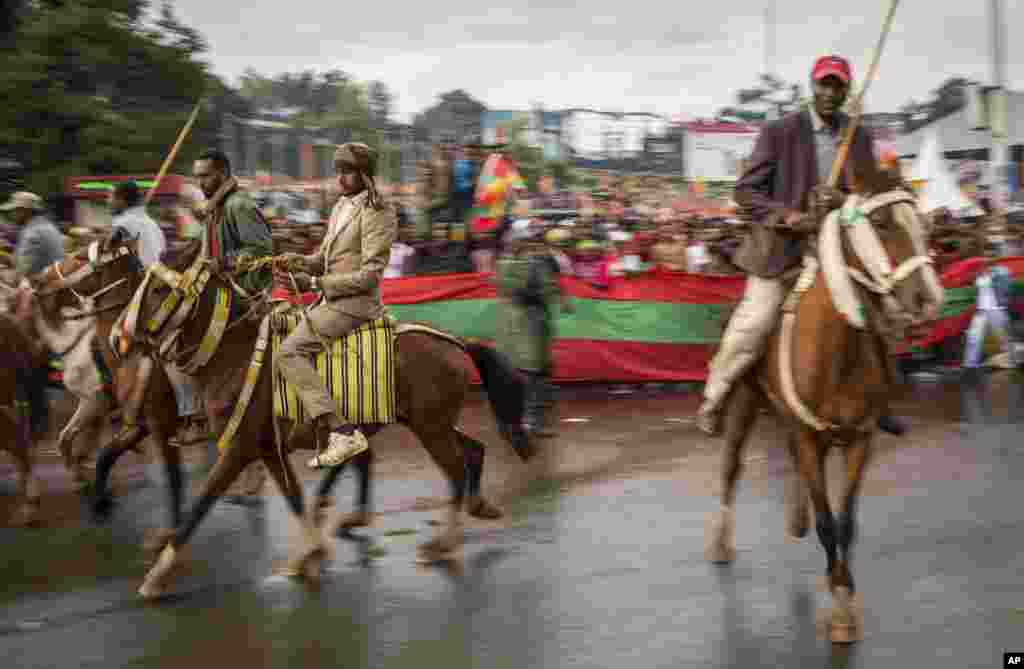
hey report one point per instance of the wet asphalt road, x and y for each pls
(598, 564)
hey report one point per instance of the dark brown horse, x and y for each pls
(101, 279)
(432, 385)
(20, 358)
(829, 378)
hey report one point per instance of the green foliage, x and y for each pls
(93, 88)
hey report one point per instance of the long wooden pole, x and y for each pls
(174, 152)
(844, 149)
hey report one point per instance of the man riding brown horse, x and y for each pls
(784, 183)
(347, 269)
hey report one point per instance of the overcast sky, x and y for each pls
(636, 55)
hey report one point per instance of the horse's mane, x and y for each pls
(876, 180)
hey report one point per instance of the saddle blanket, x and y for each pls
(358, 371)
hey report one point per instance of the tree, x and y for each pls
(381, 102)
(93, 88)
(771, 92)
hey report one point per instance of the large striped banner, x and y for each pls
(660, 326)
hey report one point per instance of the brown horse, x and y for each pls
(432, 386)
(828, 377)
(112, 276)
(20, 358)
(101, 279)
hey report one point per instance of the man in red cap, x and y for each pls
(785, 182)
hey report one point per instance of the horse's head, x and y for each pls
(162, 302)
(96, 279)
(886, 243)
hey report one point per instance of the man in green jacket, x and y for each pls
(527, 286)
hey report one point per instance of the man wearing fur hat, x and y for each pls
(347, 271)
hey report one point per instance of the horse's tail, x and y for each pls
(506, 391)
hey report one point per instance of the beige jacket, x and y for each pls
(353, 255)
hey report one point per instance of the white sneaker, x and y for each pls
(340, 449)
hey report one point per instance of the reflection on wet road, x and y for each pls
(598, 565)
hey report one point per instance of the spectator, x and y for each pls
(402, 256)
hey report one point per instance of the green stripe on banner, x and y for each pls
(601, 320)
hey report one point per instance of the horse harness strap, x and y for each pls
(252, 376)
(789, 394)
(882, 280)
(214, 333)
(175, 310)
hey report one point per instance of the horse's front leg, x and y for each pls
(845, 625)
(740, 414)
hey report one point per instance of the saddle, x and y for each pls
(358, 370)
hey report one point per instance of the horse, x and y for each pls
(20, 358)
(99, 281)
(431, 389)
(71, 342)
(826, 370)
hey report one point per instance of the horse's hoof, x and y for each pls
(843, 623)
(720, 548)
(150, 592)
(719, 554)
(438, 548)
(796, 528)
(155, 582)
(481, 508)
(844, 634)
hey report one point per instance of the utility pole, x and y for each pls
(999, 153)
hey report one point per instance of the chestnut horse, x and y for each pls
(110, 271)
(432, 386)
(827, 374)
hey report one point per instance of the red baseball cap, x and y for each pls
(831, 66)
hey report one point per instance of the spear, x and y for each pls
(844, 149)
(174, 152)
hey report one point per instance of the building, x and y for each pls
(541, 129)
(456, 117)
(259, 146)
(601, 136)
(960, 137)
(715, 150)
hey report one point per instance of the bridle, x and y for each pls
(162, 331)
(95, 262)
(880, 277)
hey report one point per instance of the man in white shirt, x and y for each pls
(130, 214)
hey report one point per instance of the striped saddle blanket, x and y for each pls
(358, 371)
